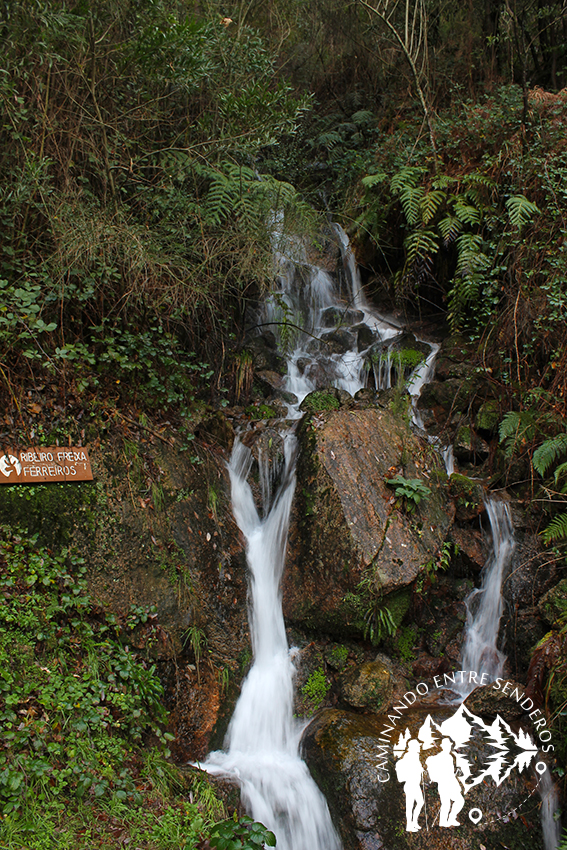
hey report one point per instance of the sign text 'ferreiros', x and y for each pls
(40, 465)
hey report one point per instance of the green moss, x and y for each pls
(336, 656)
(261, 411)
(318, 401)
(316, 687)
(405, 642)
(51, 511)
(488, 417)
(466, 492)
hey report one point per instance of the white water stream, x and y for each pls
(484, 604)
(263, 737)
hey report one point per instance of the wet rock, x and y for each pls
(471, 544)
(469, 447)
(345, 521)
(368, 685)
(344, 751)
(364, 336)
(468, 496)
(334, 316)
(337, 342)
(270, 380)
(553, 605)
(488, 701)
(217, 430)
(264, 353)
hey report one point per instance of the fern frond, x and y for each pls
(477, 179)
(329, 139)
(372, 179)
(443, 181)
(430, 204)
(466, 212)
(450, 227)
(411, 198)
(363, 116)
(405, 178)
(420, 245)
(549, 451)
(509, 425)
(556, 530)
(559, 472)
(520, 210)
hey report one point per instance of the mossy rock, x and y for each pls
(488, 417)
(320, 400)
(52, 511)
(368, 685)
(553, 605)
(468, 496)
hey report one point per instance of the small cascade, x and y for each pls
(263, 737)
(550, 823)
(484, 604)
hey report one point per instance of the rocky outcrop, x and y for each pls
(344, 751)
(348, 523)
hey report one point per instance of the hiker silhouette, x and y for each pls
(441, 769)
(409, 771)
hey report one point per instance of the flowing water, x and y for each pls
(262, 745)
(484, 605)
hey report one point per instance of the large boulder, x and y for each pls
(354, 765)
(347, 522)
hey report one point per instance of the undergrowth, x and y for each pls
(83, 747)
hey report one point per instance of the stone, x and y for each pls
(343, 751)
(345, 522)
(553, 605)
(369, 685)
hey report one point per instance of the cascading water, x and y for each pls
(263, 737)
(262, 744)
(484, 604)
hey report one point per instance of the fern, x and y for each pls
(520, 210)
(411, 198)
(466, 212)
(517, 428)
(550, 451)
(372, 179)
(405, 178)
(443, 181)
(450, 227)
(420, 245)
(556, 530)
(430, 204)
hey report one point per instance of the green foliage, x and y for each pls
(556, 531)
(68, 715)
(131, 214)
(320, 400)
(412, 490)
(549, 452)
(240, 834)
(261, 411)
(316, 688)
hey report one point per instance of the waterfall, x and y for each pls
(484, 604)
(263, 737)
(262, 743)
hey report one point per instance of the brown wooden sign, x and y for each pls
(39, 465)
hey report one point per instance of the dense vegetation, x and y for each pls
(145, 145)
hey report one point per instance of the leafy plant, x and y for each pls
(240, 834)
(412, 490)
(316, 688)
